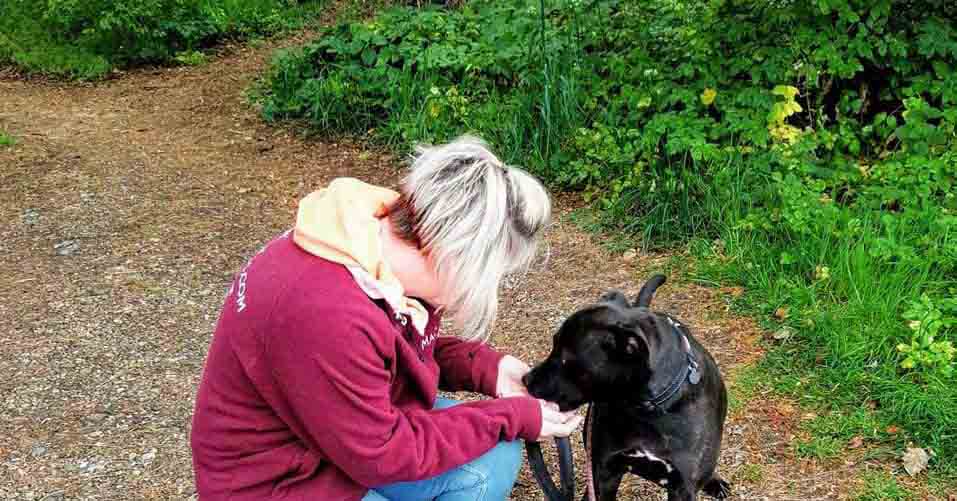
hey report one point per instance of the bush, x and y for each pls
(810, 143)
(87, 38)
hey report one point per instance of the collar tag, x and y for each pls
(694, 376)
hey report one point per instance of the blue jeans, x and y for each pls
(488, 478)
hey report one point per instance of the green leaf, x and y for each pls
(368, 57)
(788, 91)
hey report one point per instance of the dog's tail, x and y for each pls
(648, 290)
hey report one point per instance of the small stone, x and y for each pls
(629, 255)
(96, 417)
(38, 450)
(31, 217)
(86, 197)
(67, 247)
(148, 457)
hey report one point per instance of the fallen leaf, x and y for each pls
(733, 291)
(856, 442)
(781, 313)
(892, 429)
(915, 460)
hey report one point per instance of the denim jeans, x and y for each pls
(488, 478)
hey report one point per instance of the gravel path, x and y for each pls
(127, 206)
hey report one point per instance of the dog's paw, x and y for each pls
(717, 488)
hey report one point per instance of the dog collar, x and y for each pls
(689, 373)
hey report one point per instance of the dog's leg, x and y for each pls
(608, 484)
(608, 473)
(717, 488)
(682, 493)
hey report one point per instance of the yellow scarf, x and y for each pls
(341, 223)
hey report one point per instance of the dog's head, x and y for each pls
(600, 351)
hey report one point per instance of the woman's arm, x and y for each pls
(467, 365)
(338, 387)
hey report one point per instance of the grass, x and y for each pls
(742, 386)
(750, 473)
(6, 140)
(191, 58)
(840, 361)
(847, 323)
(882, 487)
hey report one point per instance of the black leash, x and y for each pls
(566, 470)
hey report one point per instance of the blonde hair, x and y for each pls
(476, 219)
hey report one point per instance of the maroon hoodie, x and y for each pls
(314, 391)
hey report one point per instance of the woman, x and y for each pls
(321, 380)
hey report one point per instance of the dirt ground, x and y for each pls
(126, 208)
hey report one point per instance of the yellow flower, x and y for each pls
(707, 97)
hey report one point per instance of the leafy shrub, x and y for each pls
(86, 38)
(925, 351)
(815, 140)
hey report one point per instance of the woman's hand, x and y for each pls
(555, 423)
(510, 372)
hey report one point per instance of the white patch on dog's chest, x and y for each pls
(647, 456)
(650, 466)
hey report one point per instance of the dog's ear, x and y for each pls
(629, 339)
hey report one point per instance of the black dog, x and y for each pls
(659, 402)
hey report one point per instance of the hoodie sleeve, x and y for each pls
(337, 384)
(467, 365)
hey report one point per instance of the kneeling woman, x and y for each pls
(321, 380)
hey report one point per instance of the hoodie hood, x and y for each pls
(342, 223)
